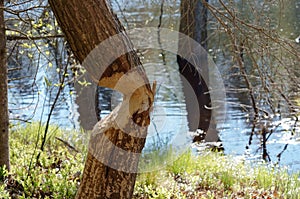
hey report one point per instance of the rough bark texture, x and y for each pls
(118, 139)
(4, 120)
(193, 22)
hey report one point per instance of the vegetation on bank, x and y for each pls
(56, 174)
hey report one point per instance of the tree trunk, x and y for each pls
(4, 120)
(117, 140)
(193, 23)
(87, 104)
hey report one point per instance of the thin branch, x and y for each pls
(18, 37)
(67, 144)
(61, 87)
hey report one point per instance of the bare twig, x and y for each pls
(67, 144)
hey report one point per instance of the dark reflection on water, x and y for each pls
(30, 99)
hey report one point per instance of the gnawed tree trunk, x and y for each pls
(117, 140)
(4, 120)
(193, 23)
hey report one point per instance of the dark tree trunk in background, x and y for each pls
(118, 139)
(4, 120)
(87, 104)
(193, 23)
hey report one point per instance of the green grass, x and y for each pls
(55, 174)
(210, 175)
(213, 175)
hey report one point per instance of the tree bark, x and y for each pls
(193, 23)
(4, 119)
(117, 140)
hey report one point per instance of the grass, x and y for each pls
(210, 175)
(57, 172)
(213, 175)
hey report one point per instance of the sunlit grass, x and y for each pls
(213, 175)
(170, 175)
(57, 172)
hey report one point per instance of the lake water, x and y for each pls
(30, 98)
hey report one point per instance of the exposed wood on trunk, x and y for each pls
(4, 120)
(118, 139)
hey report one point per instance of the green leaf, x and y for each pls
(48, 83)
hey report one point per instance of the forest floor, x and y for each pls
(56, 173)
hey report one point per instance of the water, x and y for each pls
(30, 99)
